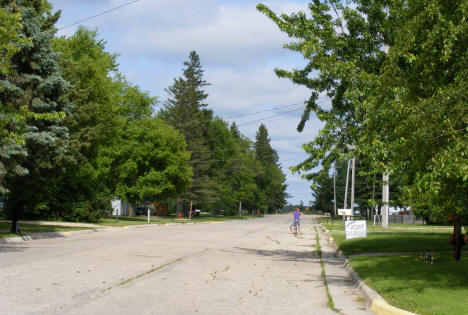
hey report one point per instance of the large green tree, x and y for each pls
(417, 109)
(340, 43)
(401, 112)
(185, 110)
(12, 114)
(150, 162)
(98, 96)
(120, 149)
(36, 84)
(271, 181)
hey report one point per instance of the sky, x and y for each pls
(239, 49)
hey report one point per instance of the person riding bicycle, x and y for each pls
(296, 221)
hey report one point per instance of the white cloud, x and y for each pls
(235, 90)
(239, 47)
(228, 33)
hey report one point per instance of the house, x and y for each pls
(120, 207)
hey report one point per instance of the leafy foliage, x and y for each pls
(33, 91)
(404, 112)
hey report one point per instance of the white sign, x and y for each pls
(355, 229)
(345, 211)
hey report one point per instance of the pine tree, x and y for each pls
(270, 179)
(186, 111)
(12, 122)
(264, 151)
(235, 130)
(36, 86)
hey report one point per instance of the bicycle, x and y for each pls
(294, 228)
(457, 239)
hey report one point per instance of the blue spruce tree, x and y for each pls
(34, 88)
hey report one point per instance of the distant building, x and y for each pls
(120, 207)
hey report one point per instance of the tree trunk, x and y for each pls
(14, 223)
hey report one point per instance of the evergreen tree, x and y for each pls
(271, 180)
(235, 130)
(12, 115)
(265, 153)
(119, 148)
(37, 86)
(186, 111)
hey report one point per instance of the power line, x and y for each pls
(99, 14)
(197, 122)
(241, 159)
(262, 111)
(266, 118)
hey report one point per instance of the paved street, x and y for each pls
(236, 267)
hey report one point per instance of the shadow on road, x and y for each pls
(11, 248)
(280, 254)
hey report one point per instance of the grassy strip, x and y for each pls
(408, 283)
(405, 281)
(396, 238)
(126, 220)
(331, 305)
(27, 229)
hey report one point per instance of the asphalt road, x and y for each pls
(236, 267)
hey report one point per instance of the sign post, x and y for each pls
(346, 213)
(355, 229)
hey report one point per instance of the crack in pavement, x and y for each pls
(85, 297)
(215, 273)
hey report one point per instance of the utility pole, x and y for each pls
(346, 188)
(240, 208)
(372, 212)
(334, 189)
(352, 184)
(345, 205)
(385, 199)
(385, 187)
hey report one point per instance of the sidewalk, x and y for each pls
(77, 224)
(338, 265)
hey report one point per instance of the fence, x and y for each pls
(404, 218)
(394, 218)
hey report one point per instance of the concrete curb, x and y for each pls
(376, 302)
(47, 235)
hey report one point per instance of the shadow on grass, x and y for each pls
(397, 241)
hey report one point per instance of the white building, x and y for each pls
(120, 207)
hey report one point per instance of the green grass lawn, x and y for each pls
(27, 229)
(404, 280)
(396, 238)
(125, 220)
(408, 283)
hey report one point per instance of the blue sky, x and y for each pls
(238, 47)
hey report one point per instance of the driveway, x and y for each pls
(235, 267)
